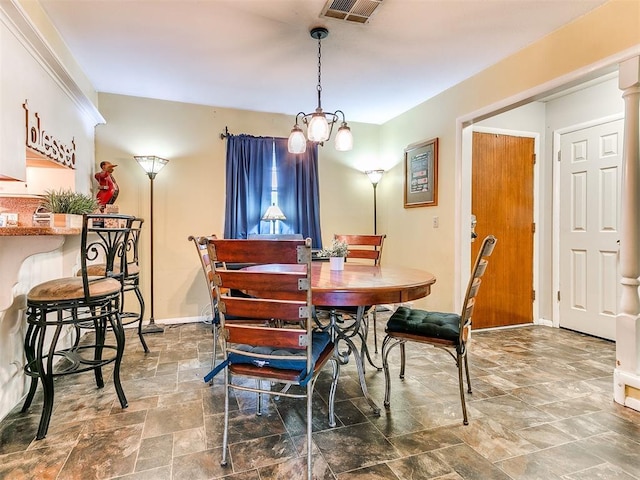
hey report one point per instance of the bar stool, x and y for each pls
(130, 279)
(84, 301)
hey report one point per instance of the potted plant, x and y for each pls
(66, 207)
(336, 253)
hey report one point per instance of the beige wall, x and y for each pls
(604, 33)
(189, 194)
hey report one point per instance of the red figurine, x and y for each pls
(108, 189)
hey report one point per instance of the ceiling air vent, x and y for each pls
(357, 11)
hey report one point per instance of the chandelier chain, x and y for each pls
(319, 87)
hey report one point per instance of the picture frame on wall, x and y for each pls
(421, 174)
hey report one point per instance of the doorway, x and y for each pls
(502, 200)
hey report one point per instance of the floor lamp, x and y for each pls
(151, 165)
(374, 177)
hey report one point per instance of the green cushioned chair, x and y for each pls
(440, 329)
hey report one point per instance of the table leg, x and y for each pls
(343, 357)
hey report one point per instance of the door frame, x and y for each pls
(464, 130)
(557, 134)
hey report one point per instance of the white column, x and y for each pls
(627, 372)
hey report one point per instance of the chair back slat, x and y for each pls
(481, 268)
(255, 251)
(276, 337)
(256, 308)
(363, 246)
(260, 281)
(478, 270)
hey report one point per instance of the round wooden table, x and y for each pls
(358, 285)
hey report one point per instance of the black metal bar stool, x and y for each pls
(86, 301)
(130, 278)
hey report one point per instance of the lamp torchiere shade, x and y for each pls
(374, 176)
(151, 164)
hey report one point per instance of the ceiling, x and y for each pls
(258, 54)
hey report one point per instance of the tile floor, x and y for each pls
(541, 409)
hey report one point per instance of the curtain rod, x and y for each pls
(225, 134)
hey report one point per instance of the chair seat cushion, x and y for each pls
(424, 323)
(70, 288)
(320, 342)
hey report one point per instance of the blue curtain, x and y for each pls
(298, 191)
(249, 169)
(248, 184)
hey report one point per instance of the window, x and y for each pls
(260, 172)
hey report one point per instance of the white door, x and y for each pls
(590, 182)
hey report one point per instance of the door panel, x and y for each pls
(502, 200)
(590, 179)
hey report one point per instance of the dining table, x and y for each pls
(358, 285)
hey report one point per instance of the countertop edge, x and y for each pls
(33, 231)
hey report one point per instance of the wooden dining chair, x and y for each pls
(207, 272)
(367, 248)
(449, 331)
(289, 355)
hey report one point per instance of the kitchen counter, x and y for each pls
(37, 230)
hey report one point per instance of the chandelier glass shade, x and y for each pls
(319, 123)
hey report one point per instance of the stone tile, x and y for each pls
(296, 469)
(424, 441)
(173, 418)
(512, 412)
(375, 472)
(261, 452)
(200, 466)
(41, 464)
(155, 452)
(616, 449)
(349, 448)
(424, 466)
(189, 441)
(553, 462)
(600, 472)
(103, 454)
(545, 436)
(469, 464)
(492, 440)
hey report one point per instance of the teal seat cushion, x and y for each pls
(428, 324)
(319, 342)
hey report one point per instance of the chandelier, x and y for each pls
(319, 123)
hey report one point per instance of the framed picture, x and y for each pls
(421, 174)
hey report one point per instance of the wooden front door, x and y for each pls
(502, 201)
